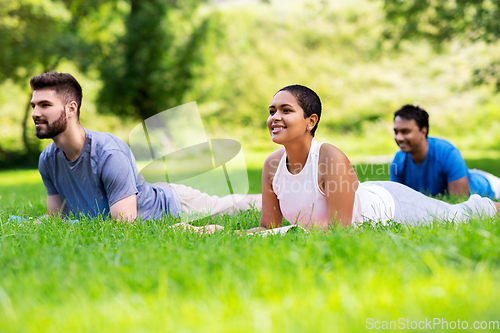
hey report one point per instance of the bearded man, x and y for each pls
(95, 173)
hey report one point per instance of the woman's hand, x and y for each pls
(209, 229)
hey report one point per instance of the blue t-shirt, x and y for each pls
(103, 174)
(442, 165)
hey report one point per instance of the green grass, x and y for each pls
(103, 276)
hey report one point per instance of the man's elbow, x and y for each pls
(125, 209)
(459, 192)
(124, 217)
(460, 188)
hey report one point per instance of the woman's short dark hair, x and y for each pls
(65, 85)
(308, 100)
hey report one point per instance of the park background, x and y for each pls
(137, 58)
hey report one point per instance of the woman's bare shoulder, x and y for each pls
(272, 160)
(329, 151)
(334, 163)
(275, 155)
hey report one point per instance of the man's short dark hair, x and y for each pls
(416, 113)
(307, 99)
(65, 85)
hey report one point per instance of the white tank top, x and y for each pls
(302, 201)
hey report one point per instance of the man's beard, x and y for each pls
(53, 129)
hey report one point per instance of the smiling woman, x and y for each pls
(314, 184)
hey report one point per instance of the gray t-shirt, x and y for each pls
(103, 174)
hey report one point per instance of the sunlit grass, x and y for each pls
(19, 177)
(101, 276)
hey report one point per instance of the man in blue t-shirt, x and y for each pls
(431, 165)
(95, 174)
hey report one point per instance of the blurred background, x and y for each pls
(365, 59)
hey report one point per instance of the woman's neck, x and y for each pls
(297, 153)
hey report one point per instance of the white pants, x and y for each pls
(194, 201)
(493, 180)
(413, 207)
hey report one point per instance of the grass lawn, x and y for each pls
(103, 276)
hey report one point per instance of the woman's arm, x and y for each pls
(271, 216)
(339, 182)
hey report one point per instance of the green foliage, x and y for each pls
(232, 58)
(35, 36)
(253, 53)
(31, 33)
(337, 50)
(443, 21)
(149, 67)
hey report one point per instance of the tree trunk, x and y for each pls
(27, 145)
(30, 148)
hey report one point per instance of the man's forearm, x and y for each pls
(54, 205)
(459, 187)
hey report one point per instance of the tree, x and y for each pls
(146, 69)
(35, 35)
(441, 21)
(29, 37)
(151, 65)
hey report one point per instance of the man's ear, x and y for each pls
(425, 130)
(71, 109)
